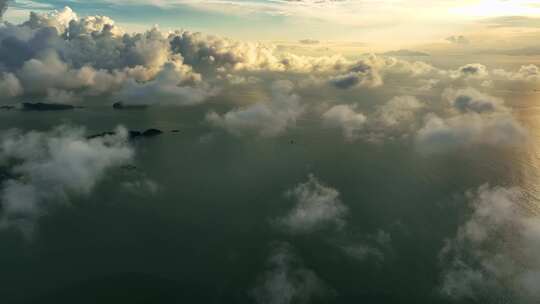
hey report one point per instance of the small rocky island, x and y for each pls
(119, 105)
(41, 106)
(133, 134)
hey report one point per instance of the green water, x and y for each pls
(205, 235)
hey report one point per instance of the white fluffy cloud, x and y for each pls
(316, 206)
(10, 85)
(346, 118)
(495, 253)
(480, 119)
(441, 134)
(287, 281)
(168, 88)
(61, 57)
(46, 168)
(264, 118)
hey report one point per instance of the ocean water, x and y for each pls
(206, 234)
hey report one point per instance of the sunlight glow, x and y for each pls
(495, 8)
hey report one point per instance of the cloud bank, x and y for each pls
(60, 57)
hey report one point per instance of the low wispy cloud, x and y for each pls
(316, 206)
(287, 280)
(45, 169)
(494, 254)
(513, 21)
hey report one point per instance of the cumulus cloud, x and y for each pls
(168, 88)
(458, 39)
(346, 118)
(316, 206)
(526, 73)
(10, 85)
(206, 53)
(362, 74)
(264, 118)
(481, 119)
(47, 168)
(473, 70)
(62, 55)
(442, 134)
(64, 58)
(309, 41)
(495, 253)
(405, 53)
(287, 280)
(90, 56)
(3, 7)
(398, 110)
(470, 100)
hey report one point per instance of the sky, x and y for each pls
(386, 23)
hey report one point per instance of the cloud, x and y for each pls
(470, 100)
(91, 56)
(464, 130)
(362, 74)
(373, 247)
(167, 88)
(309, 41)
(141, 187)
(47, 168)
(480, 119)
(3, 7)
(65, 58)
(264, 118)
(346, 118)
(475, 70)
(513, 21)
(398, 110)
(207, 53)
(87, 56)
(287, 280)
(527, 73)
(495, 253)
(10, 85)
(405, 53)
(316, 206)
(458, 39)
